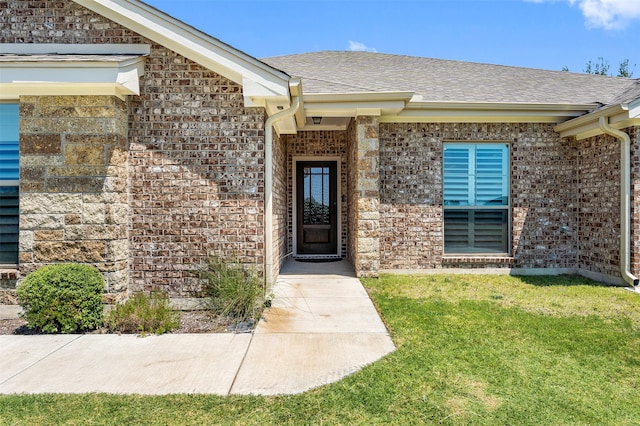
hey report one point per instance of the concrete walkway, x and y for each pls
(321, 327)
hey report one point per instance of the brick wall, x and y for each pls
(544, 213)
(280, 203)
(634, 133)
(195, 154)
(598, 178)
(58, 21)
(196, 174)
(410, 197)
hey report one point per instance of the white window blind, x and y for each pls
(476, 174)
(476, 197)
(9, 183)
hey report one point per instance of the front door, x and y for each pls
(316, 208)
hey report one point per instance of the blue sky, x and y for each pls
(547, 34)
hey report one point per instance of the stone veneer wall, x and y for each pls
(195, 154)
(364, 196)
(544, 198)
(73, 184)
(317, 144)
(352, 180)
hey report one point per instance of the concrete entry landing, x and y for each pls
(321, 327)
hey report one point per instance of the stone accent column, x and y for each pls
(364, 197)
(73, 185)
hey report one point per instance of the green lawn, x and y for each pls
(486, 350)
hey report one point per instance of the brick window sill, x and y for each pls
(478, 260)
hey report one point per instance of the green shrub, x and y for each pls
(233, 291)
(62, 298)
(144, 313)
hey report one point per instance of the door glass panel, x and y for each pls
(316, 196)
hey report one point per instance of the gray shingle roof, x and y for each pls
(438, 80)
(632, 93)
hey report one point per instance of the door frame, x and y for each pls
(294, 205)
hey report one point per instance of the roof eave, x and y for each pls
(354, 104)
(119, 78)
(620, 116)
(491, 112)
(258, 79)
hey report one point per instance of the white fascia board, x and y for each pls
(15, 90)
(587, 125)
(359, 97)
(75, 49)
(61, 78)
(193, 44)
(501, 106)
(634, 109)
(354, 104)
(351, 109)
(477, 112)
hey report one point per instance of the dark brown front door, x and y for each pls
(317, 208)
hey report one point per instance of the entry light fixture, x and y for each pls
(316, 120)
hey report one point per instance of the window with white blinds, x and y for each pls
(476, 198)
(9, 184)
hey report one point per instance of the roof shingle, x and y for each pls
(438, 80)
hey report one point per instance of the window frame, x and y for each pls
(11, 183)
(472, 208)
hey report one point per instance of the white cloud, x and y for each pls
(356, 46)
(607, 14)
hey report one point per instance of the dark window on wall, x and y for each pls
(476, 198)
(9, 184)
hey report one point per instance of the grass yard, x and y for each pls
(485, 350)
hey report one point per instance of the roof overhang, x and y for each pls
(35, 70)
(291, 124)
(259, 81)
(487, 112)
(333, 111)
(620, 116)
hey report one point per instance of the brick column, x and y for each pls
(73, 185)
(364, 197)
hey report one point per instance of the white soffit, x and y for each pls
(452, 112)
(60, 74)
(355, 104)
(403, 107)
(257, 78)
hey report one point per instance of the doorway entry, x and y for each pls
(317, 209)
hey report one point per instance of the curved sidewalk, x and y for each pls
(321, 327)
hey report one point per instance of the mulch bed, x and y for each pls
(190, 322)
